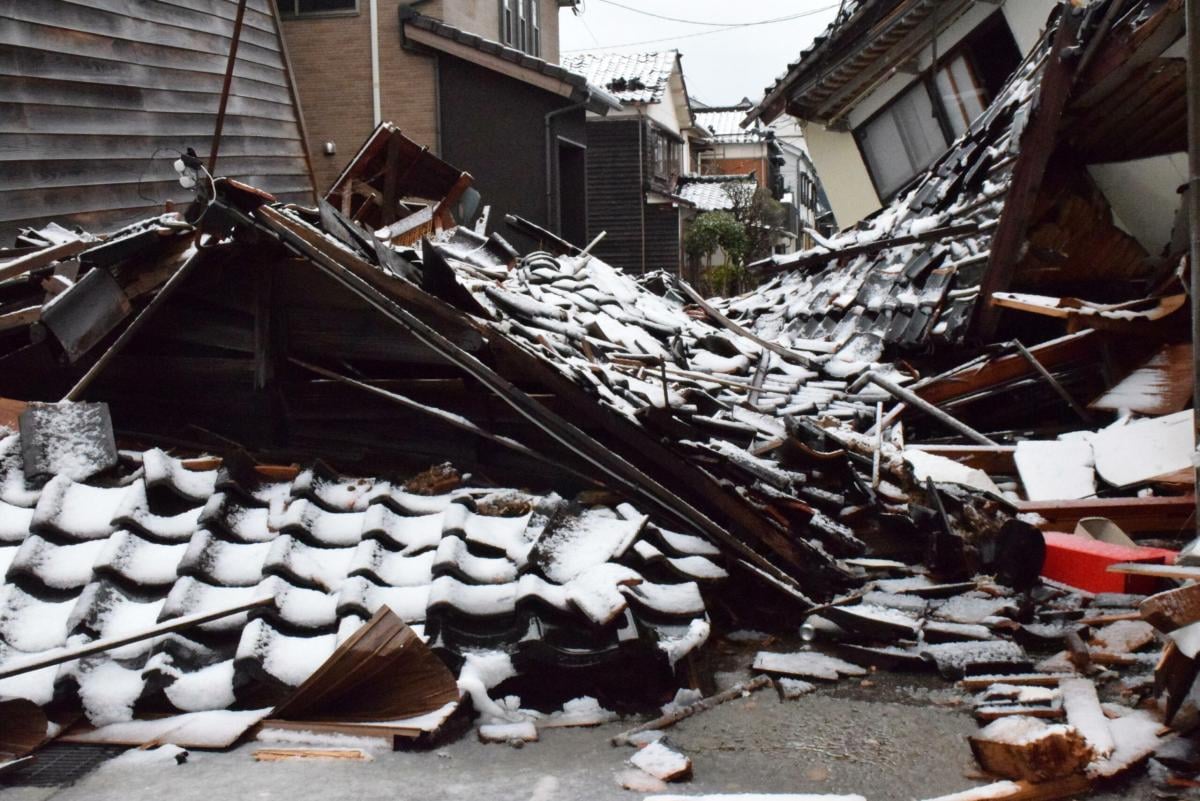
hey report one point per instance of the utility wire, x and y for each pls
(700, 33)
(717, 24)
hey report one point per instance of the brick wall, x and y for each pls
(738, 167)
(331, 58)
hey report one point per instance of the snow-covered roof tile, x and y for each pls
(630, 77)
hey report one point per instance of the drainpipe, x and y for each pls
(376, 100)
(552, 221)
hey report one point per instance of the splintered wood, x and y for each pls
(1027, 748)
(310, 754)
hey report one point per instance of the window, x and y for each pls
(535, 27)
(507, 21)
(902, 140)
(664, 155)
(316, 8)
(962, 95)
(521, 25)
(522, 42)
(915, 128)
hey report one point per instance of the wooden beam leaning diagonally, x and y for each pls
(1036, 146)
(342, 267)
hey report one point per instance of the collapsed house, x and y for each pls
(630, 464)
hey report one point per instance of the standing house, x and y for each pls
(636, 157)
(775, 154)
(97, 100)
(474, 80)
(891, 83)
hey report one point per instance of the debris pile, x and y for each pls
(553, 481)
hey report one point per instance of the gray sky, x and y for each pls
(721, 65)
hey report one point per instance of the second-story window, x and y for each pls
(916, 127)
(522, 42)
(521, 25)
(316, 8)
(902, 140)
(535, 28)
(508, 21)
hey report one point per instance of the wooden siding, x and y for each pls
(662, 238)
(97, 98)
(616, 199)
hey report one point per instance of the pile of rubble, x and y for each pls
(631, 467)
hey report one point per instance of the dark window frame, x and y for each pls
(521, 26)
(928, 79)
(290, 9)
(663, 149)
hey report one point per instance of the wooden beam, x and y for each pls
(40, 258)
(107, 644)
(976, 377)
(1037, 144)
(988, 458)
(350, 272)
(788, 354)
(946, 232)
(1133, 515)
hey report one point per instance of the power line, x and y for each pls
(700, 33)
(716, 24)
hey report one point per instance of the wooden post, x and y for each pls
(229, 64)
(1193, 196)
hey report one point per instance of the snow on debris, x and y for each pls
(112, 556)
(807, 664)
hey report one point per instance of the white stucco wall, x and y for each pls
(1144, 196)
(842, 173)
(835, 154)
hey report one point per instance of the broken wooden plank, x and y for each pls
(662, 762)
(1019, 679)
(671, 718)
(311, 754)
(58, 657)
(1036, 145)
(381, 673)
(1133, 515)
(994, 459)
(1066, 787)
(1027, 748)
(1156, 571)
(1172, 609)
(807, 664)
(1083, 709)
(800, 261)
(1161, 385)
(40, 258)
(914, 400)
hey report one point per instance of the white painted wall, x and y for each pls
(836, 156)
(1027, 20)
(842, 173)
(1144, 196)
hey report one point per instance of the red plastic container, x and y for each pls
(1083, 563)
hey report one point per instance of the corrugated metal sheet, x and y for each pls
(98, 97)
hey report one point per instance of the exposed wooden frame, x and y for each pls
(1037, 145)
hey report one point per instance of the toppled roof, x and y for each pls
(712, 192)
(914, 294)
(631, 77)
(534, 70)
(468, 568)
(724, 124)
